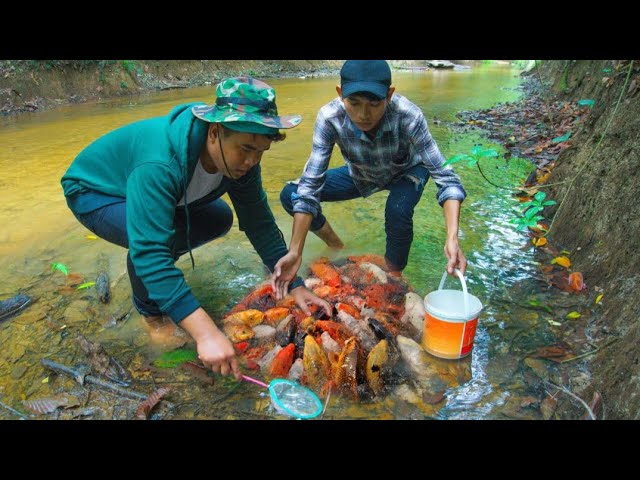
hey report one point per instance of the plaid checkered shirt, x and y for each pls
(402, 141)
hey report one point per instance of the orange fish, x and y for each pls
(250, 318)
(316, 365)
(345, 369)
(274, 315)
(350, 309)
(326, 273)
(282, 362)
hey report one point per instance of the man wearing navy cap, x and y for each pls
(386, 145)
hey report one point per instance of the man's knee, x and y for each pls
(398, 213)
(226, 220)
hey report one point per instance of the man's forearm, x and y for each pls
(452, 218)
(301, 224)
(199, 324)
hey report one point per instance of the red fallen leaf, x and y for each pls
(144, 409)
(199, 371)
(576, 282)
(73, 279)
(557, 353)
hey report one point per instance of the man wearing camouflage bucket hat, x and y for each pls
(154, 187)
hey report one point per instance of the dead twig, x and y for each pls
(570, 393)
(591, 352)
(81, 376)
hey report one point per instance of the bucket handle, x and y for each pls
(464, 288)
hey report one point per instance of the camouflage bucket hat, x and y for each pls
(243, 101)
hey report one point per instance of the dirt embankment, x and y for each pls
(599, 221)
(30, 85)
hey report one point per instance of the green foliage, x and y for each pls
(175, 357)
(128, 66)
(60, 267)
(123, 85)
(474, 156)
(586, 103)
(563, 138)
(530, 211)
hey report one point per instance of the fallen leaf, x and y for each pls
(599, 298)
(573, 315)
(548, 406)
(554, 323)
(60, 267)
(562, 261)
(553, 351)
(539, 242)
(92, 237)
(85, 285)
(576, 282)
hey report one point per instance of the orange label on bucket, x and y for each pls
(446, 339)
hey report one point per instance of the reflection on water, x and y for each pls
(38, 229)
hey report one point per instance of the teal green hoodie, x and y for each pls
(150, 163)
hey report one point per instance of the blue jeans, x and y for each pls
(208, 221)
(404, 194)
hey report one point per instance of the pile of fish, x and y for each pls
(369, 345)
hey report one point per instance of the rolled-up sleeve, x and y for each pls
(424, 146)
(307, 198)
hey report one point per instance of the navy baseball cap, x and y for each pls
(373, 76)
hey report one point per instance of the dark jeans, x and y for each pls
(208, 221)
(404, 195)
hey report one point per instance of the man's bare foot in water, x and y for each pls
(394, 270)
(162, 331)
(328, 236)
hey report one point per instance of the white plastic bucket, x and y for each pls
(450, 321)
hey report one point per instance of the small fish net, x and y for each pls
(292, 399)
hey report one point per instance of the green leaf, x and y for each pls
(549, 202)
(472, 162)
(540, 196)
(175, 357)
(85, 285)
(534, 303)
(476, 149)
(59, 266)
(563, 138)
(606, 70)
(490, 152)
(456, 158)
(531, 212)
(573, 315)
(587, 103)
